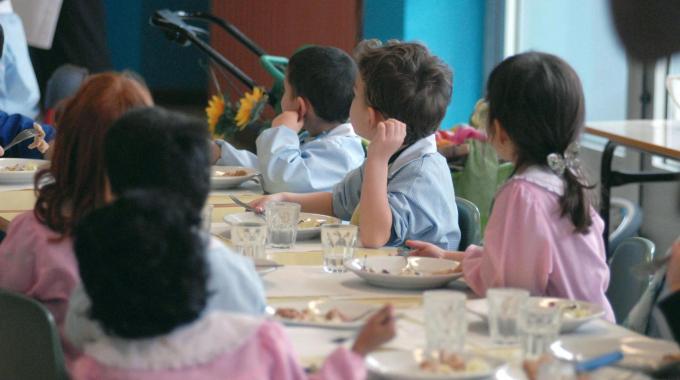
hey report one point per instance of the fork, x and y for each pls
(244, 205)
(21, 137)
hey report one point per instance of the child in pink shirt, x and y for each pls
(147, 283)
(543, 234)
(36, 258)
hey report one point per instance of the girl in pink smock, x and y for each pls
(36, 258)
(146, 281)
(543, 234)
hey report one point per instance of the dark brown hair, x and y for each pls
(404, 81)
(75, 182)
(538, 100)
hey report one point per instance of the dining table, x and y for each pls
(657, 137)
(300, 280)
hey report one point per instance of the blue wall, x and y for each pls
(136, 45)
(452, 29)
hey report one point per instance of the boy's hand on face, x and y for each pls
(389, 137)
(290, 120)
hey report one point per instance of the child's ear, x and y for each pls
(374, 117)
(302, 106)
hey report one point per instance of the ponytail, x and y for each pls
(576, 201)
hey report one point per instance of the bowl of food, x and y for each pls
(574, 313)
(330, 314)
(415, 365)
(227, 177)
(405, 272)
(19, 171)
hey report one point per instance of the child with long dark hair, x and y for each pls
(543, 233)
(147, 280)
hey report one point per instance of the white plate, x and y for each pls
(218, 182)
(350, 309)
(405, 365)
(394, 264)
(639, 352)
(302, 233)
(19, 177)
(570, 323)
(264, 266)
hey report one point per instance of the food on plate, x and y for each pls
(233, 173)
(19, 168)
(310, 223)
(571, 309)
(308, 315)
(410, 271)
(452, 363)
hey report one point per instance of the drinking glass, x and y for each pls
(206, 218)
(249, 239)
(338, 246)
(539, 328)
(673, 87)
(282, 221)
(445, 321)
(505, 306)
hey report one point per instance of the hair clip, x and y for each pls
(558, 163)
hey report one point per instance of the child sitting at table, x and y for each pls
(36, 257)
(543, 234)
(141, 151)
(404, 189)
(148, 284)
(317, 96)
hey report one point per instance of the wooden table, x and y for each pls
(656, 137)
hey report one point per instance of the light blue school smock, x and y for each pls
(288, 164)
(420, 195)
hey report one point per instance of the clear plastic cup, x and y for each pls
(338, 242)
(505, 307)
(539, 328)
(249, 239)
(445, 321)
(282, 222)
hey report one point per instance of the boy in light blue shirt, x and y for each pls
(403, 191)
(318, 91)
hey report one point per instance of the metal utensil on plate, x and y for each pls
(21, 137)
(244, 205)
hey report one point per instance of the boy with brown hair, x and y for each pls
(403, 191)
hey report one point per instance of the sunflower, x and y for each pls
(249, 107)
(214, 111)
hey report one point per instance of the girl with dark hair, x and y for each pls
(147, 281)
(543, 234)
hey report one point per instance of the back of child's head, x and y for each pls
(142, 265)
(538, 100)
(74, 183)
(152, 148)
(325, 76)
(404, 81)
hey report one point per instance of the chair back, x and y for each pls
(29, 343)
(625, 287)
(469, 222)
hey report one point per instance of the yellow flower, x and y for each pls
(214, 110)
(246, 106)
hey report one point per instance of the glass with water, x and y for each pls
(539, 328)
(505, 307)
(282, 222)
(249, 239)
(445, 321)
(338, 242)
